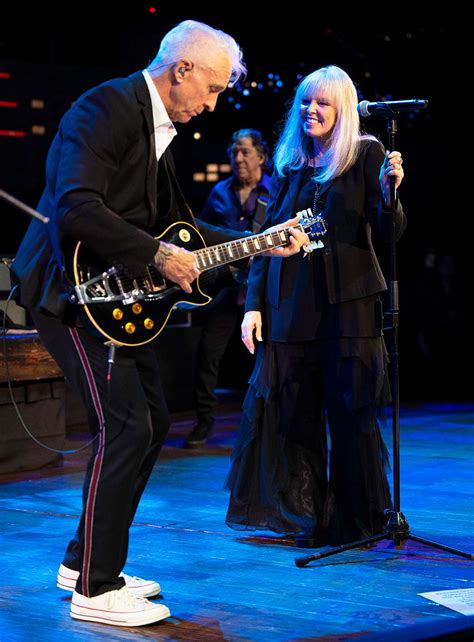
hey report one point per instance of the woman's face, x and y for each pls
(318, 115)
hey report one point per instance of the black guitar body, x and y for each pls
(136, 322)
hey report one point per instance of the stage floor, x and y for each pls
(225, 585)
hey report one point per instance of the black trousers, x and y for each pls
(130, 420)
(217, 327)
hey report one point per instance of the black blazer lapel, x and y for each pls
(143, 97)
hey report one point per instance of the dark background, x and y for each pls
(54, 53)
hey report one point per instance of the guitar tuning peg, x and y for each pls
(307, 213)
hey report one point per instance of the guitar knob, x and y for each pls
(148, 323)
(136, 308)
(130, 328)
(117, 314)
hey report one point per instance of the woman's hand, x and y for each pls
(391, 166)
(251, 324)
(298, 238)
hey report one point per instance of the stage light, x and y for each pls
(11, 133)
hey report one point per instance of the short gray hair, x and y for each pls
(199, 42)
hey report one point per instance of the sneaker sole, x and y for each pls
(67, 584)
(147, 618)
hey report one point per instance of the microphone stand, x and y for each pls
(397, 528)
(23, 207)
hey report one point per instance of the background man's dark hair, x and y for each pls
(257, 140)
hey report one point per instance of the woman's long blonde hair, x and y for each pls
(294, 148)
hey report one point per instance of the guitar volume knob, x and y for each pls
(117, 314)
(137, 308)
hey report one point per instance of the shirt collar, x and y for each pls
(160, 115)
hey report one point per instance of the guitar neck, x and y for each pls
(210, 257)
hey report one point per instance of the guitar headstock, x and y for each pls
(314, 226)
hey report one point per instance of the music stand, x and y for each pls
(397, 528)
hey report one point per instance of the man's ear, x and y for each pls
(181, 67)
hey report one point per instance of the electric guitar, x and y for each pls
(132, 312)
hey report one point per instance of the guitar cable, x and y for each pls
(12, 396)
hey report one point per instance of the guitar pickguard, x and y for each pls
(133, 311)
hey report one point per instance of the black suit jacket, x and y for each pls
(101, 189)
(353, 209)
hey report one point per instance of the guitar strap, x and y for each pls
(262, 202)
(260, 213)
(184, 209)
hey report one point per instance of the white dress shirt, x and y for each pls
(165, 131)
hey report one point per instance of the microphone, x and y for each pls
(390, 107)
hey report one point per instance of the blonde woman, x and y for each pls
(317, 320)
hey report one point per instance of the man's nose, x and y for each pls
(210, 103)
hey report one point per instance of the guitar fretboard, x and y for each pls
(210, 257)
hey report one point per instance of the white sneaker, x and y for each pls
(119, 608)
(67, 579)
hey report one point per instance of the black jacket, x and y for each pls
(101, 189)
(353, 209)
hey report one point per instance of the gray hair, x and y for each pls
(199, 42)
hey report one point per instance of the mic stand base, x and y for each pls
(397, 530)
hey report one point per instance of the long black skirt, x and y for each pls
(280, 477)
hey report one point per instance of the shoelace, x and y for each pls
(125, 598)
(130, 578)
